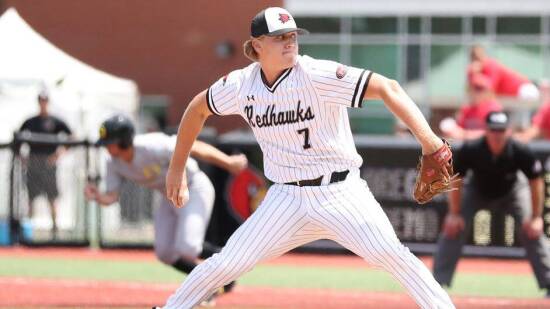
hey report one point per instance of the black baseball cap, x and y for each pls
(116, 129)
(497, 121)
(274, 21)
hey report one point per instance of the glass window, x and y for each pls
(518, 25)
(479, 25)
(446, 25)
(413, 62)
(319, 24)
(374, 25)
(413, 24)
(382, 59)
(329, 52)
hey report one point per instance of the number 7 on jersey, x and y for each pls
(307, 145)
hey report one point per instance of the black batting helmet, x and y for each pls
(117, 129)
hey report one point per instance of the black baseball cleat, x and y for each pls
(210, 301)
(229, 287)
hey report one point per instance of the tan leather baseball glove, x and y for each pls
(435, 174)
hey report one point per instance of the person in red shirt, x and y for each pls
(504, 81)
(470, 119)
(540, 123)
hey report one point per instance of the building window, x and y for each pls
(479, 25)
(446, 25)
(319, 24)
(518, 25)
(413, 62)
(321, 51)
(374, 25)
(382, 59)
(413, 24)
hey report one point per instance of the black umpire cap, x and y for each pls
(497, 121)
(274, 21)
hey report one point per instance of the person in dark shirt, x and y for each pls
(494, 161)
(41, 168)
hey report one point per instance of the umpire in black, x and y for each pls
(495, 184)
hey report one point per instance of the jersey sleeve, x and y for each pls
(62, 127)
(25, 126)
(339, 84)
(528, 163)
(113, 181)
(222, 95)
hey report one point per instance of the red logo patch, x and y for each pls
(284, 17)
(341, 71)
(245, 191)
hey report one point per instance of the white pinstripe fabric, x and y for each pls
(290, 216)
(314, 85)
(320, 93)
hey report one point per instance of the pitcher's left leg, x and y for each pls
(360, 224)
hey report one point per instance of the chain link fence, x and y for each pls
(48, 176)
(129, 223)
(29, 180)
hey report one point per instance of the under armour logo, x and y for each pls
(250, 97)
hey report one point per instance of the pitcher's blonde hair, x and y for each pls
(249, 51)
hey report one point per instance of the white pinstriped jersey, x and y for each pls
(300, 122)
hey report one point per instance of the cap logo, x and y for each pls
(284, 17)
(499, 118)
(102, 132)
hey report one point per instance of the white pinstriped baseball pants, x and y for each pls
(290, 216)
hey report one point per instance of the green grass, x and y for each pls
(89, 269)
(339, 278)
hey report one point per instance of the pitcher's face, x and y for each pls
(279, 51)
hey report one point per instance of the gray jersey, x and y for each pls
(152, 153)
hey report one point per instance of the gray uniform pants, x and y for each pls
(179, 232)
(518, 203)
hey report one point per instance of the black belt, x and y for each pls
(334, 177)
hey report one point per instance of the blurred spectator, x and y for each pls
(540, 124)
(41, 168)
(495, 184)
(470, 120)
(504, 81)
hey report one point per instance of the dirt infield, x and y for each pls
(25, 292)
(22, 292)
